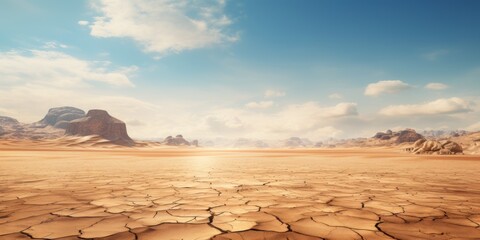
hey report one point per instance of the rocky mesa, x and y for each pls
(99, 122)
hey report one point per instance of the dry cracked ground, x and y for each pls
(207, 194)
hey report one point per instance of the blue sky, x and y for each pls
(203, 68)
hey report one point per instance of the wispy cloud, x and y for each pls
(436, 86)
(271, 93)
(53, 45)
(83, 22)
(54, 68)
(259, 105)
(335, 96)
(385, 86)
(437, 107)
(436, 54)
(164, 26)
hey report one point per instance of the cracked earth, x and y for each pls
(221, 195)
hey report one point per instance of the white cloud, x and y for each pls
(270, 93)
(163, 26)
(434, 55)
(54, 45)
(335, 96)
(259, 105)
(437, 107)
(83, 23)
(56, 68)
(436, 86)
(308, 119)
(385, 86)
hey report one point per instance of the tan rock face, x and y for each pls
(447, 147)
(128, 194)
(99, 122)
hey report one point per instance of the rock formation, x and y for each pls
(60, 117)
(99, 122)
(408, 135)
(404, 136)
(444, 147)
(176, 141)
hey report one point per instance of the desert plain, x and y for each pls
(71, 193)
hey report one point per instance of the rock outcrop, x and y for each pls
(60, 117)
(408, 135)
(404, 136)
(176, 141)
(99, 122)
(444, 147)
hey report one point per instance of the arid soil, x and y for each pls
(150, 193)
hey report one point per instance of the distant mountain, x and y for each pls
(296, 142)
(10, 128)
(8, 121)
(59, 117)
(178, 141)
(435, 134)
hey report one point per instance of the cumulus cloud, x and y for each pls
(270, 93)
(436, 86)
(57, 68)
(437, 107)
(163, 26)
(259, 105)
(385, 86)
(83, 22)
(309, 119)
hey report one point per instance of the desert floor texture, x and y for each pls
(231, 194)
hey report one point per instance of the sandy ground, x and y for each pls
(215, 194)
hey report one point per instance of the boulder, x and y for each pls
(452, 147)
(99, 122)
(408, 135)
(60, 114)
